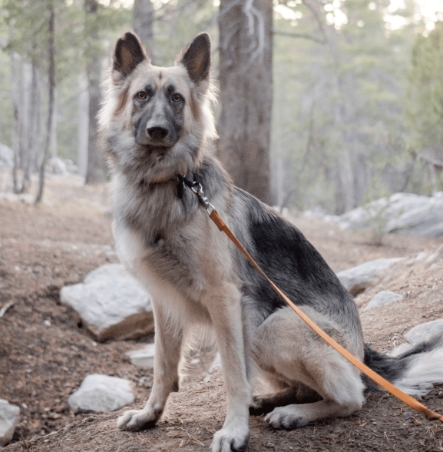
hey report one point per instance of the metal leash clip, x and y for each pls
(197, 188)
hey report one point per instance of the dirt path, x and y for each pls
(45, 352)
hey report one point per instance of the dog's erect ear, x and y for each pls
(128, 54)
(197, 58)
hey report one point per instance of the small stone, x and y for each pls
(9, 416)
(47, 323)
(382, 298)
(143, 357)
(101, 393)
(440, 395)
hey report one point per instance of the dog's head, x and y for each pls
(156, 121)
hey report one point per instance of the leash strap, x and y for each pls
(407, 399)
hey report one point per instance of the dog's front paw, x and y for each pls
(287, 417)
(231, 438)
(138, 419)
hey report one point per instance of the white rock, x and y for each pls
(9, 416)
(424, 331)
(359, 278)
(111, 303)
(25, 198)
(143, 357)
(101, 393)
(382, 298)
(402, 213)
(56, 165)
(6, 156)
(419, 334)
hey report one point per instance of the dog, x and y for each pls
(156, 127)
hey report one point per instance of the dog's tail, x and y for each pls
(415, 370)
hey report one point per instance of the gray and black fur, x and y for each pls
(157, 124)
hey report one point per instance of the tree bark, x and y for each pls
(16, 127)
(34, 145)
(25, 126)
(95, 172)
(53, 142)
(246, 93)
(83, 124)
(51, 86)
(144, 22)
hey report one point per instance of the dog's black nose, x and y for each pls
(157, 133)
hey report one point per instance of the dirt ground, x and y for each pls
(45, 352)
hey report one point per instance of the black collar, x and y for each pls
(189, 180)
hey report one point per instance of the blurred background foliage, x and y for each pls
(358, 87)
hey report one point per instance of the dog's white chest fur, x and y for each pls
(129, 248)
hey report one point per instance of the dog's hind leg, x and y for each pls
(295, 393)
(225, 312)
(168, 339)
(285, 344)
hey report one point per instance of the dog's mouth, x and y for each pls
(155, 148)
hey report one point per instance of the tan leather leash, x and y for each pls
(406, 398)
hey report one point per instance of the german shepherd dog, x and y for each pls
(156, 124)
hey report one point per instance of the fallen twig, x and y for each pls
(5, 308)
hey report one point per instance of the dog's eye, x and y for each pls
(141, 95)
(176, 98)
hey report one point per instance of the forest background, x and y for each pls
(355, 89)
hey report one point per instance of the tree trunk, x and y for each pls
(25, 126)
(83, 124)
(34, 124)
(246, 93)
(95, 172)
(53, 142)
(16, 125)
(51, 87)
(144, 22)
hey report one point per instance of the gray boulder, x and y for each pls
(101, 393)
(382, 298)
(359, 278)
(424, 331)
(9, 416)
(111, 303)
(402, 213)
(418, 334)
(143, 357)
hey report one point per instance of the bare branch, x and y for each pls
(299, 35)
(318, 19)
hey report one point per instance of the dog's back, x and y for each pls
(291, 261)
